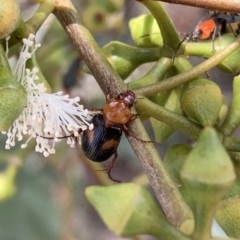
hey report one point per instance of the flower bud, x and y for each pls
(174, 159)
(201, 100)
(13, 95)
(228, 212)
(125, 58)
(10, 16)
(207, 174)
(145, 31)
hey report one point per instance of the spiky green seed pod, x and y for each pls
(207, 174)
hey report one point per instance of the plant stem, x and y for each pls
(189, 75)
(88, 49)
(155, 74)
(34, 23)
(174, 120)
(221, 5)
(232, 120)
(167, 193)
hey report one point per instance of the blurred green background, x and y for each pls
(43, 198)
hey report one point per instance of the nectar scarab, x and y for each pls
(100, 143)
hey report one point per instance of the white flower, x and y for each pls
(46, 117)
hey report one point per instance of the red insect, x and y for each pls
(218, 23)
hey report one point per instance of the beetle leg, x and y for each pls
(133, 117)
(128, 134)
(110, 167)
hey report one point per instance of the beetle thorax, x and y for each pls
(117, 112)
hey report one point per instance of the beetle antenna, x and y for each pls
(186, 38)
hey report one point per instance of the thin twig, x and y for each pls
(166, 191)
(221, 5)
(187, 76)
(101, 69)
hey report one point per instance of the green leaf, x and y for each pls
(129, 210)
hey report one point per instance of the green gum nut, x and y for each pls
(228, 212)
(207, 174)
(129, 210)
(174, 159)
(145, 31)
(201, 100)
(13, 101)
(13, 95)
(10, 16)
(125, 58)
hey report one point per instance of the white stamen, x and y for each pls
(47, 117)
